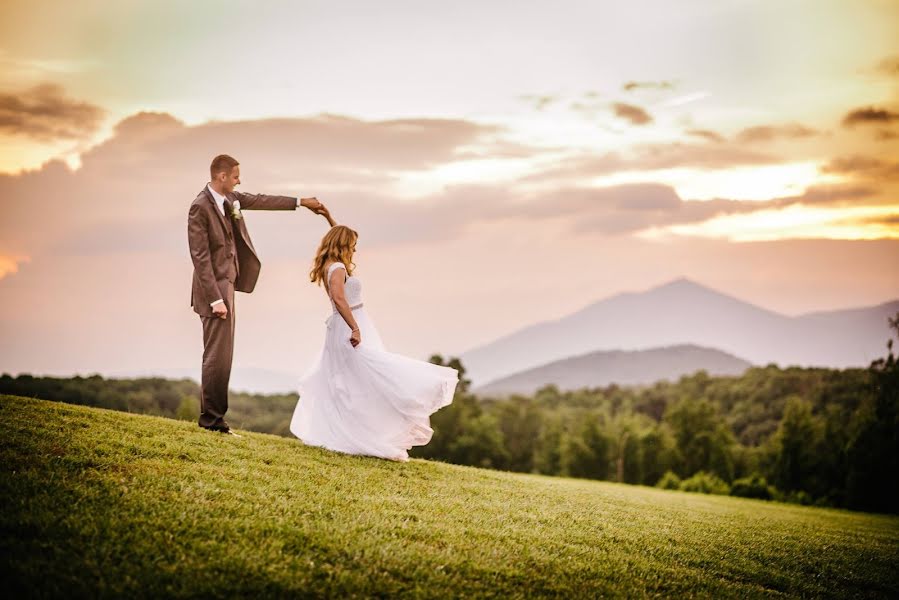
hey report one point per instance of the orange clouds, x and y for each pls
(110, 238)
(634, 114)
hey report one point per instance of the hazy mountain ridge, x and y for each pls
(621, 367)
(684, 312)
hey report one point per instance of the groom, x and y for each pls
(224, 262)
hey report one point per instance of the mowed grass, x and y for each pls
(103, 503)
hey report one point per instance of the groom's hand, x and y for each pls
(318, 208)
(220, 310)
(312, 204)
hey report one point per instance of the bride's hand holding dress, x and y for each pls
(337, 293)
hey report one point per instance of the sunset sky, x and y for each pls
(504, 163)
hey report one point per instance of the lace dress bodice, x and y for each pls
(352, 287)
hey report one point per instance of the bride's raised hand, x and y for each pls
(326, 214)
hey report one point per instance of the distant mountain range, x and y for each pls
(685, 312)
(618, 366)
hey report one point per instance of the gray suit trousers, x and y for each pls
(218, 353)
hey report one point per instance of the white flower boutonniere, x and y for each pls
(235, 210)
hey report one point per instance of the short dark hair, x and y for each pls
(220, 163)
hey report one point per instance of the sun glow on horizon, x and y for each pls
(10, 264)
(795, 221)
(756, 183)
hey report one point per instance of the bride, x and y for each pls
(359, 398)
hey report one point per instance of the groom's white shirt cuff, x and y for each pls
(216, 302)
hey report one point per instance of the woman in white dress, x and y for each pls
(357, 397)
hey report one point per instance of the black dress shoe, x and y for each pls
(220, 428)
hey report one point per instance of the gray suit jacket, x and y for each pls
(221, 257)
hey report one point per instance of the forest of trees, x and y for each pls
(809, 435)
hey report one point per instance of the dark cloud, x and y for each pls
(707, 134)
(869, 115)
(634, 114)
(44, 113)
(862, 167)
(765, 133)
(654, 85)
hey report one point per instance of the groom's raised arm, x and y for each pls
(265, 201)
(269, 202)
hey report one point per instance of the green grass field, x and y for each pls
(104, 503)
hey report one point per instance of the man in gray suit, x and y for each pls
(224, 262)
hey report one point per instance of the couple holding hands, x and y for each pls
(356, 397)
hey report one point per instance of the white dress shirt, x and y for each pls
(219, 199)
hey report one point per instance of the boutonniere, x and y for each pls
(235, 210)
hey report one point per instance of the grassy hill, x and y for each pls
(97, 502)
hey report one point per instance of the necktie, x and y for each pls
(227, 207)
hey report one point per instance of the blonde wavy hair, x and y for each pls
(337, 245)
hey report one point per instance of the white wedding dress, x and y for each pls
(364, 399)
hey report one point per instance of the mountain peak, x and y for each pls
(682, 283)
(693, 291)
(682, 311)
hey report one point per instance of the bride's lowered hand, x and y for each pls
(337, 291)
